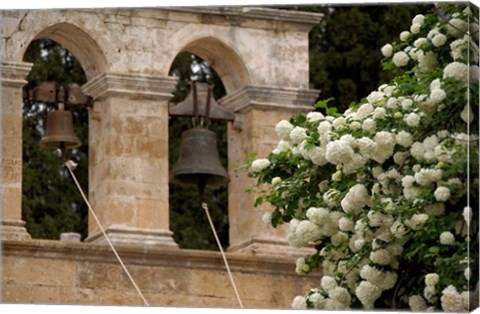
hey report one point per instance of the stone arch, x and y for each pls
(222, 58)
(80, 43)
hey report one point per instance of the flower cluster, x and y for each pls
(381, 189)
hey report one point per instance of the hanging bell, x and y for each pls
(198, 162)
(59, 132)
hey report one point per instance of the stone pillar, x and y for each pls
(13, 76)
(257, 111)
(128, 159)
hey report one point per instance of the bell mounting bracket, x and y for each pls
(53, 93)
(200, 105)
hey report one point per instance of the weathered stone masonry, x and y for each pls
(261, 56)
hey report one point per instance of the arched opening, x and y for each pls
(51, 205)
(187, 219)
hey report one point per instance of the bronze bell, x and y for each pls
(198, 161)
(59, 132)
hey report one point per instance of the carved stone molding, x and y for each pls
(131, 85)
(270, 98)
(13, 74)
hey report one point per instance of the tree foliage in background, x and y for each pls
(51, 204)
(345, 48)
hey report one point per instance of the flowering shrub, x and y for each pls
(385, 190)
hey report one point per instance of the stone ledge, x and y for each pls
(152, 256)
(270, 98)
(131, 85)
(14, 73)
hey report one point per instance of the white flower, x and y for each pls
(328, 283)
(307, 231)
(301, 267)
(364, 111)
(330, 196)
(412, 120)
(299, 303)
(298, 134)
(367, 293)
(317, 155)
(375, 97)
(283, 129)
(318, 215)
(467, 114)
(416, 221)
(452, 301)
(419, 42)
(431, 279)
(404, 139)
(387, 50)
(408, 181)
(456, 70)
(467, 273)
(338, 122)
(404, 35)
(433, 32)
(338, 152)
(427, 62)
(379, 113)
(467, 214)
(447, 238)
(381, 257)
(260, 164)
(457, 27)
(282, 146)
(419, 19)
(400, 59)
(356, 198)
(341, 295)
(346, 224)
(417, 303)
(474, 73)
(324, 127)
(438, 95)
(314, 116)
(383, 279)
(439, 40)
(415, 28)
(406, 104)
(338, 238)
(442, 194)
(267, 217)
(435, 84)
(384, 138)
(369, 125)
(425, 177)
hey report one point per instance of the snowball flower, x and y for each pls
(260, 164)
(283, 129)
(367, 293)
(356, 198)
(318, 215)
(419, 19)
(467, 273)
(299, 303)
(267, 217)
(387, 50)
(416, 221)
(338, 152)
(456, 70)
(369, 125)
(341, 295)
(447, 238)
(404, 35)
(431, 279)
(307, 231)
(298, 134)
(404, 138)
(381, 257)
(439, 40)
(379, 113)
(346, 224)
(452, 301)
(328, 283)
(437, 96)
(442, 194)
(314, 116)
(457, 27)
(400, 59)
(375, 97)
(383, 279)
(417, 303)
(412, 120)
(415, 28)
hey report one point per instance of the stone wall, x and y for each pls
(54, 272)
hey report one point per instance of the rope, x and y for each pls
(205, 207)
(70, 164)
